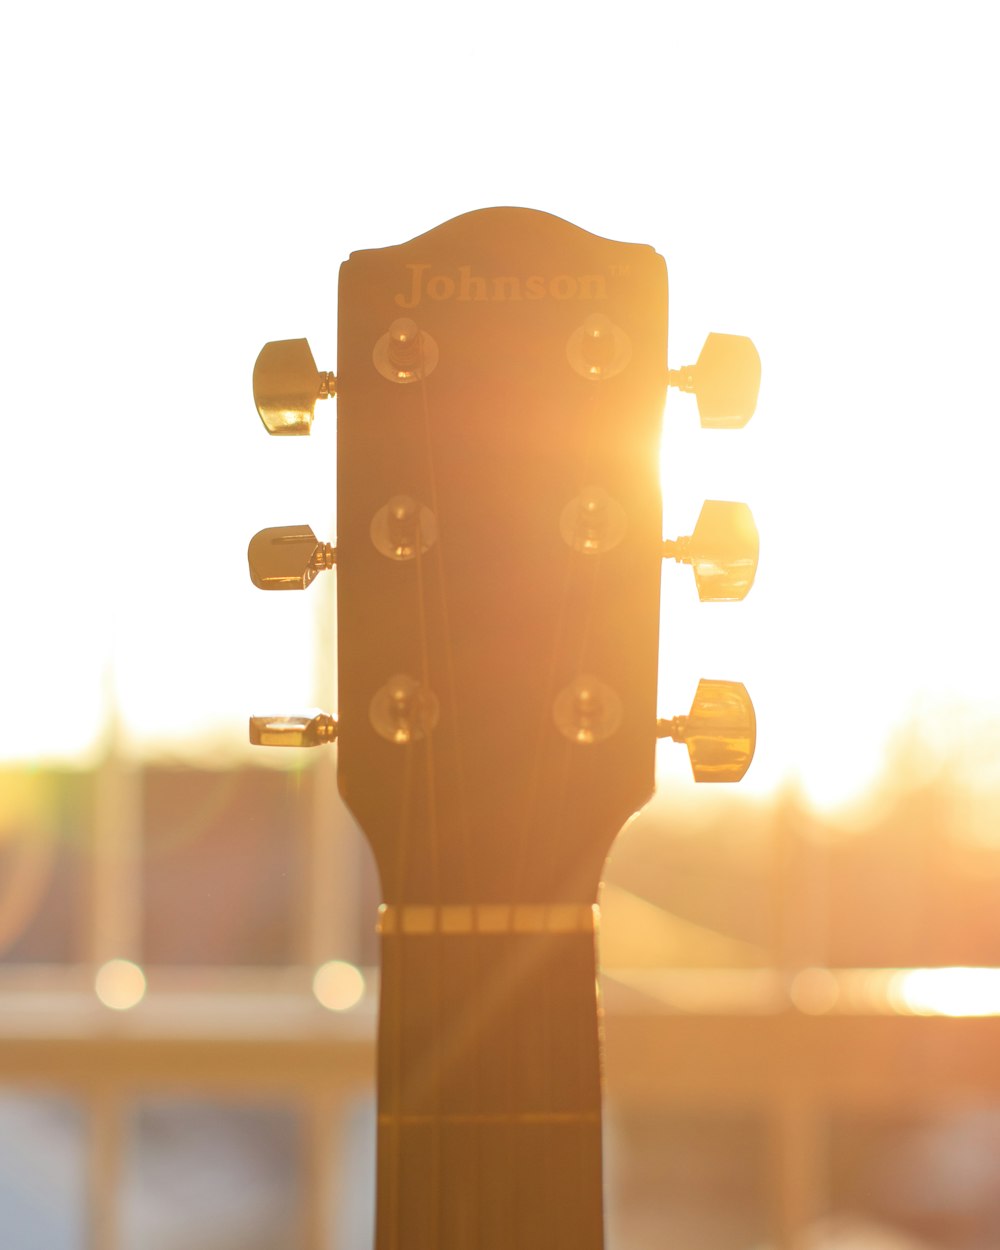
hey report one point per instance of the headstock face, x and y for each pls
(499, 553)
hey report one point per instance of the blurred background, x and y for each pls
(801, 976)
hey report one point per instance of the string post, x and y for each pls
(403, 528)
(404, 711)
(405, 353)
(587, 710)
(598, 349)
(593, 522)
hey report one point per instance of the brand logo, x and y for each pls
(466, 286)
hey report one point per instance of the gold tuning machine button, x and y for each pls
(720, 731)
(286, 386)
(288, 557)
(725, 381)
(293, 731)
(723, 551)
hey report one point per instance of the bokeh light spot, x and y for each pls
(120, 984)
(338, 986)
(814, 991)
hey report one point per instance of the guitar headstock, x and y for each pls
(501, 383)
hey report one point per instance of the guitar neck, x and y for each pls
(489, 1109)
(500, 391)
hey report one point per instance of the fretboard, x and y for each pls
(489, 1128)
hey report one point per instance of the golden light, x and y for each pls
(947, 991)
(120, 984)
(338, 986)
(875, 502)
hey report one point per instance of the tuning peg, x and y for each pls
(725, 381)
(288, 557)
(286, 385)
(723, 551)
(720, 731)
(293, 731)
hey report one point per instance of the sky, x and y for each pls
(183, 182)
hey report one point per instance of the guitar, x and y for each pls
(500, 389)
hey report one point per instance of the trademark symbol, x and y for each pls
(620, 271)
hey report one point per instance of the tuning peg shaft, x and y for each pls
(288, 557)
(293, 731)
(720, 731)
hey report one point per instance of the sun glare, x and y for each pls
(867, 288)
(948, 991)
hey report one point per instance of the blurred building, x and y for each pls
(802, 1030)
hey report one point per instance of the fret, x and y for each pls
(511, 1117)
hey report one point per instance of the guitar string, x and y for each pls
(530, 970)
(450, 678)
(588, 568)
(432, 831)
(435, 988)
(436, 1076)
(540, 966)
(400, 944)
(460, 783)
(561, 791)
(597, 566)
(431, 797)
(396, 1129)
(573, 562)
(544, 728)
(593, 573)
(584, 1145)
(525, 972)
(431, 780)
(589, 572)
